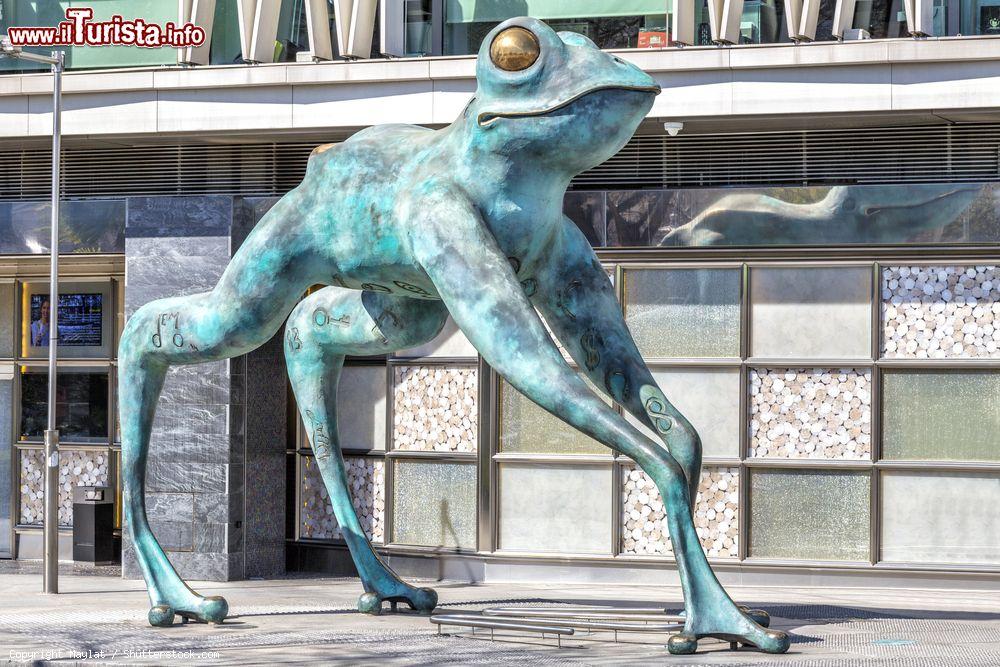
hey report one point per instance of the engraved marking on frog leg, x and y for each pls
(563, 298)
(293, 338)
(617, 384)
(340, 281)
(591, 341)
(377, 329)
(656, 410)
(515, 263)
(318, 438)
(162, 321)
(320, 317)
(416, 289)
(375, 287)
(530, 286)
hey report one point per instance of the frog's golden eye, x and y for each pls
(514, 49)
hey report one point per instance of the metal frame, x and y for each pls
(488, 457)
(73, 270)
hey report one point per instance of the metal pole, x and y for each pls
(50, 578)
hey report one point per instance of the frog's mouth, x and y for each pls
(487, 118)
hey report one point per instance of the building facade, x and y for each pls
(803, 236)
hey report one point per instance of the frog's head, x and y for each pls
(556, 95)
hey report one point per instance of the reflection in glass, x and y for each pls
(85, 226)
(527, 428)
(6, 478)
(810, 312)
(801, 514)
(943, 415)
(940, 517)
(6, 320)
(553, 508)
(624, 24)
(434, 504)
(684, 312)
(81, 404)
(862, 214)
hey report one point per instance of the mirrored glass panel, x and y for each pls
(684, 312)
(815, 312)
(821, 216)
(434, 504)
(943, 415)
(938, 312)
(366, 484)
(527, 428)
(940, 517)
(809, 515)
(710, 399)
(85, 225)
(553, 508)
(435, 409)
(81, 407)
(811, 413)
(6, 455)
(361, 404)
(716, 514)
(6, 320)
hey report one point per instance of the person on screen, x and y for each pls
(40, 326)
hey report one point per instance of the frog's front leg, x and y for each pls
(577, 300)
(325, 327)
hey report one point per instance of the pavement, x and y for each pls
(310, 620)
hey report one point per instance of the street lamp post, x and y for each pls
(50, 576)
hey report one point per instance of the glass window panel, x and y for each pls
(684, 312)
(81, 407)
(943, 415)
(810, 413)
(940, 312)
(710, 399)
(76, 468)
(6, 478)
(435, 408)
(716, 513)
(7, 320)
(633, 24)
(361, 404)
(450, 342)
(555, 508)
(940, 517)
(527, 428)
(811, 312)
(809, 515)
(366, 484)
(434, 504)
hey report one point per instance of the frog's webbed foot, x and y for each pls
(423, 600)
(734, 625)
(212, 609)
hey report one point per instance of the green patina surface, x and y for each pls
(408, 225)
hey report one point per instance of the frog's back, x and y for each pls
(380, 146)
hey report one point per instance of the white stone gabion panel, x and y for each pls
(644, 531)
(75, 469)
(811, 413)
(366, 478)
(435, 409)
(938, 312)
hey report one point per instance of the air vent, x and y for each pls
(936, 153)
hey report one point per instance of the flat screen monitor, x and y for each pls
(80, 320)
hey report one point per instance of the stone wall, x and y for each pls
(212, 482)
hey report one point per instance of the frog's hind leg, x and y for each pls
(255, 293)
(323, 329)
